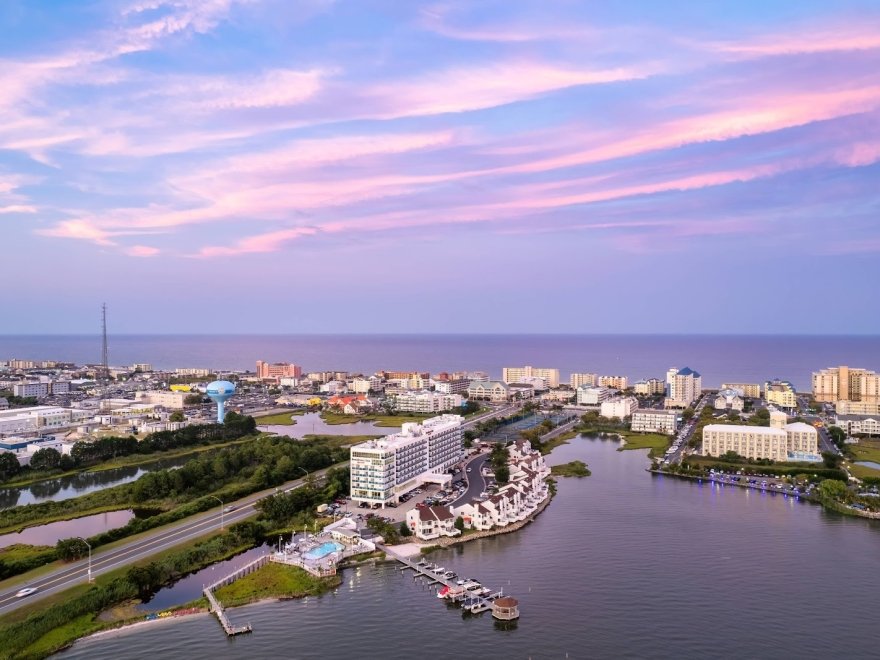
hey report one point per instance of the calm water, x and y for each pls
(51, 533)
(718, 358)
(311, 423)
(622, 564)
(82, 483)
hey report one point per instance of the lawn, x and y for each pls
(866, 450)
(274, 581)
(862, 471)
(340, 440)
(285, 418)
(656, 442)
(561, 439)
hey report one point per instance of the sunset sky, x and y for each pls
(464, 166)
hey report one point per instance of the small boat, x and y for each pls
(449, 575)
(443, 593)
(439, 569)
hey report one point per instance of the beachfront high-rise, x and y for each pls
(381, 470)
(278, 370)
(846, 384)
(683, 386)
(516, 374)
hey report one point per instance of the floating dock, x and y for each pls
(217, 607)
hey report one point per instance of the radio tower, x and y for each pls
(105, 365)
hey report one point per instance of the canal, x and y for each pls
(621, 564)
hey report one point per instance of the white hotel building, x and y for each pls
(383, 469)
(779, 442)
(426, 402)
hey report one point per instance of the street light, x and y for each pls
(89, 546)
(222, 510)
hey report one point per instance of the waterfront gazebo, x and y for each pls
(505, 608)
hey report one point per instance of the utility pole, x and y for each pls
(105, 360)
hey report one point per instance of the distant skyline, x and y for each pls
(315, 166)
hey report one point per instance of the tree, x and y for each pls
(46, 459)
(192, 399)
(838, 435)
(404, 529)
(177, 416)
(831, 460)
(459, 524)
(833, 489)
(71, 549)
(502, 474)
(687, 414)
(9, 466)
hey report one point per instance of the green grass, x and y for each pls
(340, 440)
(285, 418)
(862, 471)
(866, 450)
(571, 469)
(61, 637)
(332, 418)
(656, 442)
(561, 439)
(274, 581)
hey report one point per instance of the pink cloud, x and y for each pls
(845, 38)
(141, 251)
(18, 208)
(267, 242)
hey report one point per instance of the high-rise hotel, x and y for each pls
(383, 469)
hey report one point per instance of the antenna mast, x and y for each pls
(105, 364)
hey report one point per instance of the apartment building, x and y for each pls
(144, 367)
(431, 522)
(452, 386)
(592, 396)
(41, 389)
(277, 370)
(576, 380)
(780, 393)
(426, 402)
(779, 442)
(683, 387)
(620, 407)
(859, 424)
(197, 373)
(750, 390)
(846, 384)
(492, 390)
(857, 408)
(614, 382)
(728, 399)
(381, 470)
(516, 375)
(649, 387)
(650, 420)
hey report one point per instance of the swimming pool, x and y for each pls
(322, 550)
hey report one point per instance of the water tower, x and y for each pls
(220, 391)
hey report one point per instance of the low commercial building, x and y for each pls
(41, 389)
(859, 424)
(619, 407)
(383, 469)
(559, 396)
(40, 418)
(779, 442)
(650, 420)
(749, 390)
(197, 373)
(592, 396)
(166, 399)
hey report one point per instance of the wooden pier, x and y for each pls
(472, 602)
(217, 607)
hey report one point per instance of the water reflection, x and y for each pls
(51, 533)
(312, 424)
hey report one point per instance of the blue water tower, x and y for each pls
(220, 391)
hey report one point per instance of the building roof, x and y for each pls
(506, 601)
(687, 371)
(857, 418)
(800, 426)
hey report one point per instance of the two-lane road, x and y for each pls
(152, 543)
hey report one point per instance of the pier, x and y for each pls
(217, 607)
(463, 594)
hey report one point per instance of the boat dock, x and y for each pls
(471, 595)
(217, 607)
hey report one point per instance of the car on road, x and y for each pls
(229, 509)
(27, 591)
(468, 469)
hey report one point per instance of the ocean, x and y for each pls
(718, 358)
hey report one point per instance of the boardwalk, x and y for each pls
(217, 607)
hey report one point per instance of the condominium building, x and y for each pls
(426, 402)
(592, 396)
(516, 375)
(859, 424)
(683, 387)
(492, 390)
(620, 407)
(277, 370)
(846, 384)
(651, 420)
(142, 366)
(614, 382)
(576, 380)
(750, 390)
(198, 373)
(779, 442)
(728, 399)
(857, 408)
(649, 387)
(780, 393)
(42, 388)
(452, 386)
(383, 469)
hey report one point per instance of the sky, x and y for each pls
(311, 166)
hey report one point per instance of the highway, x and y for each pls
(154, 542)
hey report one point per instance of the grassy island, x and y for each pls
(571, 469)
(275, 581)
